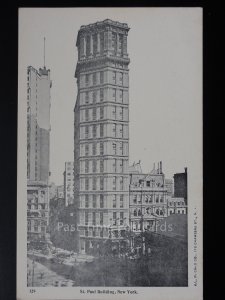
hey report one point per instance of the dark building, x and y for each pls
(180, 185)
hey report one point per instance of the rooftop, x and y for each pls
(105, 22)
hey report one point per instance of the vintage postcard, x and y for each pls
(110, 153)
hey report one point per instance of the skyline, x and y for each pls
(167, 61)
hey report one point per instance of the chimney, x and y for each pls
(160, 167)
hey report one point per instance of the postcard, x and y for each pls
(110, 153)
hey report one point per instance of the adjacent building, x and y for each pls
(60, 191)
(38, 139)
(180, 185)
(69, 183)
(101, 132)
(148, 198)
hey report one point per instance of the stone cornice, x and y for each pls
(88, 63)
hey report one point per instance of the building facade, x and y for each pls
(101, 132)
(69, 183)
(148, 198)
(38, 139)
(176, 205)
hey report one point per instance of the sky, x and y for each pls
(165, 80)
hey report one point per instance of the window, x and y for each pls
(101, 148)
(114, 218)
(86, 201)
(114, 183)
(135, 199)
(88, 45)
(86, 166)
(121, 96)
(94, 113)
(121, 183)
(114, 201)
(94, 166)
(86, 97)
(121, 78)
(120, 44)
(114, 95)
(87, 80)
(86, 149)
(94, 218)
(101, 130)
(114, 42)
(114, 165)
(94, 96)
(94, 43)
(86, 218)
(121, 113)
(121, 218)
(114, 129)
(161, 199)
(121, 201)
(114, 148)
(86, 231)
(102, 166)
(101, 112)
(157, 199)
(94, 201)
(86, 132)
(101, 77)
(121, 148)
(86, 115)
(94, 149)
(101, 43)
(101, 218)
(148, 183)
(114, 112)
(114, 77)
(121, 165)
(94, 79)
(94, 131)
(101, 183)
(86, 184)
(101, 201)
(121, 130)
(101, 95)
(94, 183)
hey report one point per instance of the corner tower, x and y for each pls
(101, 137)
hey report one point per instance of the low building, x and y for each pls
(148, 197)
(176, 205)
(37, 212)
(60, 191)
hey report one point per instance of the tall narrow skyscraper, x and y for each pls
(38, 141)
(101, 133)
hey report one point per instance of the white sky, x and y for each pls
(165, 49)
